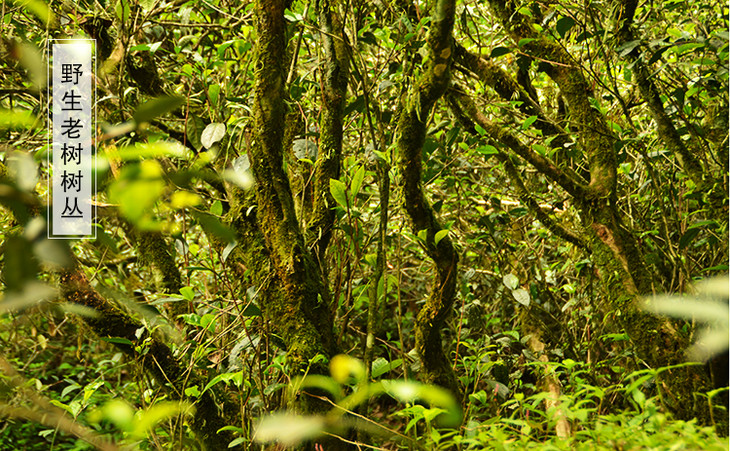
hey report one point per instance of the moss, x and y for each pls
(614, 248)
(154, 253)
(302, 314)
(156, 357)
(410, 136)
(658, 341)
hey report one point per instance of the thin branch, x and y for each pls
(498, 134)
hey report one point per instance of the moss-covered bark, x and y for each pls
(410, 136)
(508, 89)
(666, 130)
(154, 356)
(334, 92)
(613, 246)
(154, 253)
(305, 307)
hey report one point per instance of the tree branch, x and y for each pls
(410, 137)
(498, 134)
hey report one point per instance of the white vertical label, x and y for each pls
(73, 128)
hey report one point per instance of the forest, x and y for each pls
(386, 224)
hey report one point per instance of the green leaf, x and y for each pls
(529, 121)
(122, 10)
(687, 237)
(510, 281)
(191, 318)
(214, 95)
(212, 134)
(440, 235)
(499, 51)
(522, 296)
(69, 389)
(193, 130)
(236, 378)
(251, 310)
(627, 47)
(525, 11)
(214, 226)
(381, 366)
(193, 391)
(156, 107)
(236, 442)
(525, 41)
(117, 340)
(356, 182)
(147, 4)
(487, 150)
(187, 293)
(217, 208)
(339, 192)
(703, 224)
(227, 251)
(564, 25)
(683, 48)
(16, 119)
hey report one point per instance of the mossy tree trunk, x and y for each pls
(666, 130)
(613, 246)
(154, 355)
(302, 315)
(334, 93)
(413, 115)
(109, 321)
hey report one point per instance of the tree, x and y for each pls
(288, 181)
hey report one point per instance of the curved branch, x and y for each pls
(334, 93)
(665, 127)
(595, 136)
(497, 133)
(410, 137)
(507, 88)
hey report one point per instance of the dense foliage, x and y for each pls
(406, 225)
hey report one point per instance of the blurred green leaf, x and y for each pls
(288, 429)
(148, 419)
(157, 107)
(37, 7)
(346, 369)
(16, 119)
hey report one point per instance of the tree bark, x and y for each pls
(613, 246)
(413, 114)
(304, 317)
